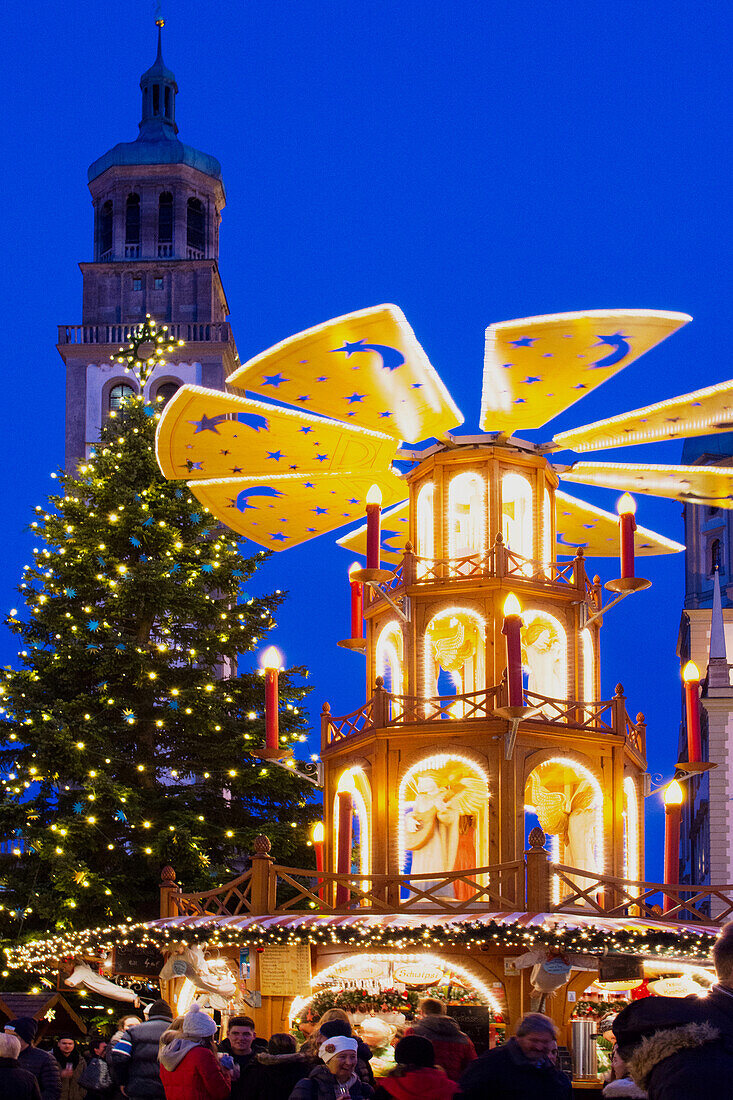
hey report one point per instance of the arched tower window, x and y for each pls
(132, 225)
(547, 555)
(165, 391)
(631, 829)
(444, 822)
(195, 228)
(455, 659)
(118, 394)
(355, 783)
(716, 556)
(545, 654)
(516, 513)
(105, 229)
(589, 666)
(389, 654)
(466, 516)
(165, 222)
(425, 544)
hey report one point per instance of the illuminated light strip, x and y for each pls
(347, 782)
(389, 643)
(414, 348)
(324, 975)
(631, 867)
(431, 762)
(587, 774)
(640, 435)
(643, 532)
(427, 659)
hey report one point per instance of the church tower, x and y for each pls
(157, 208)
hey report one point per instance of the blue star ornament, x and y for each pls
(392, 358)
(208, 423)
(275, 380)
(523, 342)
(621, 347)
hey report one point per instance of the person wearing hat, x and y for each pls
(189, 1067)
(415, 1077)
(72, 1064)
(15, 1083)
(335, 1077)
(40, 1063)
(134, 1055)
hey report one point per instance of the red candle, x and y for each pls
(512, 631)
(343, 857)
(626, 508)
(373, 514)
(691, 676)
(271, 662)
(357, 605)
(673, 798)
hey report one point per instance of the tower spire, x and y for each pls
(718, 658)
(159, 90)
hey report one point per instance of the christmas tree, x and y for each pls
(128, 733)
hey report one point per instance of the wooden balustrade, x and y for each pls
(522, 885)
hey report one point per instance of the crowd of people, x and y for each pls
(666, 1049)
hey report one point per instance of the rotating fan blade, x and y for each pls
(394, 533)
(536, 367)
(580, 524)
(704, 412)
(286, 509)
(691, 484)
(367, 366)
(205, 434)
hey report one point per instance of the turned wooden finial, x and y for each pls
(380, 682)
(596, 579)
(167, 875)
(619, 690)
(408, 547)
(499, 537)
(262, 845)
(326, 708)
(536, 838)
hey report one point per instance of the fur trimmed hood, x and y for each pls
(662, 1045)
(266, 1059)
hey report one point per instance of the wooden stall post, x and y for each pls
(262, 894)
(538, 873)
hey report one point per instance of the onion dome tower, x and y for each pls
(157, 208)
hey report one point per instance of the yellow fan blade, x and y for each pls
(692, 484)
(367, 366)
(286, 509)
(537, 367)
(205, 434)
(394, 534)
(704, 412)
(580, 524)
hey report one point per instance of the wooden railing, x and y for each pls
(524, 885)
(386, 709)
(191, 332)
(497, 561)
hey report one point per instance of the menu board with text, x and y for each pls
(285, 971)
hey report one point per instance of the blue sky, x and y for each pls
(470, 161)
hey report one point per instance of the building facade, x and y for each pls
(157, 208)
(706, 637)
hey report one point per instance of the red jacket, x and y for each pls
(197, 1077)
(452, 1047)
(419, 1084)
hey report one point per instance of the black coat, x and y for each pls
(135, 1059)
(684, 1046)
(505, 1074)
(45, 1069)
(17, 1083)
(320, 1084)
(274, 1076)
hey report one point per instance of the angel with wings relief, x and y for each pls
(570, 815)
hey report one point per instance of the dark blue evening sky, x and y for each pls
(470, 161)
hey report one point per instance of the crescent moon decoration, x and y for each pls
(284, 473)
(391, 357)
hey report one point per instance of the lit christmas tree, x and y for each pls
(128, 733)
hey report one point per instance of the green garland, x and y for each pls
(586, 1010)
(362, 1000)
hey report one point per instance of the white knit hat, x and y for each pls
(335, 1045)
(197, 1024)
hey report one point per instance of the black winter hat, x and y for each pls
(25, 1027)
(160, 1008)
(336, 1027)
(415, 1050)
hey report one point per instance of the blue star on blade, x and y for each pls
(385, 413)
(321, 458)
(275, 380)
(305, 430)
(617, 341)
(530, 379)
(236, 469)
(279, 537)
(417, 385)
(308, 484)
(320, 511)
(277, 455)
(208, 423)
(355, 397)
(323, 378)
(354, 500)
(304, 397)
(523, 342)
(392, 358)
